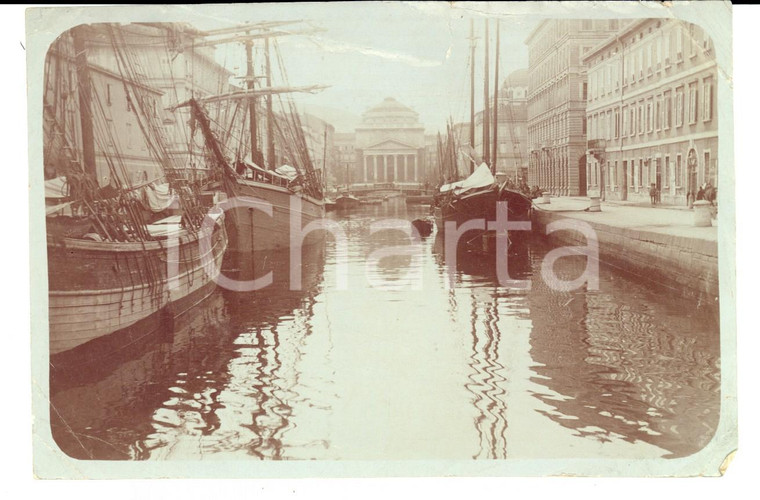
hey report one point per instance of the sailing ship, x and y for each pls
(477, 197)
(250, 180)
(125, 257)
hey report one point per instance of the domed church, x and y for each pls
(390, 145)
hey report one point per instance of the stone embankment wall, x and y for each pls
(687, 266)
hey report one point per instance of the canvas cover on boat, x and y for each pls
(481, 177)
(274, 173)
(287, 171)
(159, 197)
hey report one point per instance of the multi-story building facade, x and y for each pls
(138, 68)
(651, 112)
(390, 145)
(557, 101)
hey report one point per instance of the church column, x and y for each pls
(366, 167)
(374, 168)
(395, 168)
(406, 167)
(414, 163)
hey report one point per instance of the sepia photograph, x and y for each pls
(382, 239)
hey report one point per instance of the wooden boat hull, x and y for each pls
(481, 205)
(253, 230)
(419, 200)
(99, 288)
(347, 202)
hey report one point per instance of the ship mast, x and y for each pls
(486, 110)
(270, 132)
(252, 102)
(472, 92)
(495, 144)
(324, 160)
(85, 95)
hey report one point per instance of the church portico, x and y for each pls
(390, 145)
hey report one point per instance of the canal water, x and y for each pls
(457, 368)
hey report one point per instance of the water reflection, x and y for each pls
(462, 368)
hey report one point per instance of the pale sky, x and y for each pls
(417, 53)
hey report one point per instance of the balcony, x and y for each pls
(595, 146)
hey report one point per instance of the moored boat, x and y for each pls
(476, 199)
(122, 258)
(264, 200)
(347, 202)
(422, 199)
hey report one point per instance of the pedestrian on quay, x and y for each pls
(653, 194)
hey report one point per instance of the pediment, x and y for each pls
(389, 145)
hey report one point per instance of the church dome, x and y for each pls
(390, 112)
(517, 78)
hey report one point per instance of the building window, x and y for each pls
(649, 58)
(679, 45)
(634, 63)
(584, 93)
(679, 171)
(641, 173)
(667, 49)
(617, 123)
(625, 121)
(650, 116)
(632, 182)
(642, 118)
(129, 102)
(709, 170)
(666, 182)
(108, 94)
(692, 103)
(641, 63)
(658, 55)
(693, 40)
(679, 107)
(666, 111)
(613, 175)
(608, 82)
(129, 136)
(707, 98)
(633, 120)
(657, 112)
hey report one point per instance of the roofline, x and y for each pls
(535, 30)
(615, 38)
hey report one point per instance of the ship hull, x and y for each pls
(481, 205)
(253, 230)
(98, 289)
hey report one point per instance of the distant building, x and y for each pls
(344, 146)
(651, 112)
(390, 145)
(557, 101)
(432, 174)
(320, 141)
